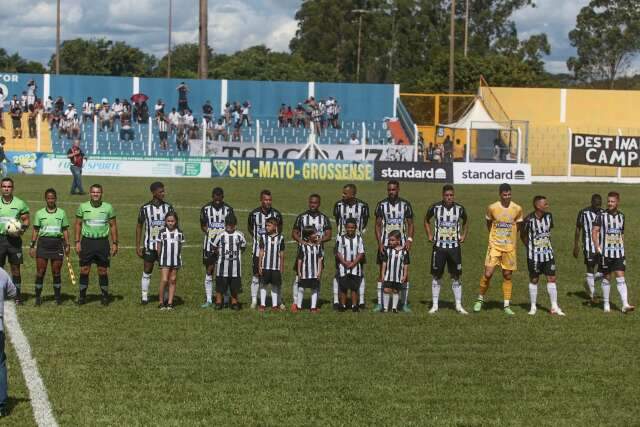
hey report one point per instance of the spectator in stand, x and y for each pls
(190, 124)
(288, 117)
(316, 116)
(126, 132)
(142, 114)
(107, 117)
(163, 129)
(88, 110)
(54, 119)
(14, 102)
(117, 108)
(207, 111)
(31, 92)
(228, 111)
(218, 130)
(23, 100)
(282, 121)
(158, 108)
(183, 104)
(174, 120)
(245, 110)
(73, 126)
(354, 139)
(16, 120)
(31, 121)
(301, 117)
(59, 103)
(237, 124)
(126, 108)
(438, 153)
(3, 157)
(448, 149)
(76, 159)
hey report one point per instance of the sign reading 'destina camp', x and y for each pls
(605, 150)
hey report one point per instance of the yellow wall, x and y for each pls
(25, 143)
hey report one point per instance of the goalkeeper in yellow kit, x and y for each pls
(504, 218)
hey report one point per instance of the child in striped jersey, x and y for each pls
(349, 253)
(310, 262)
(270, 263)
(169, 247)
(395, 270)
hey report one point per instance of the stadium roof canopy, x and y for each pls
(477, 117)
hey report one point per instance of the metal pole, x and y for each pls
(150, 137)
(359, 44)
(258, 132)
(95, 134)
(452, 45)
(569, 156)
(466, 28)
(415, 142)
(38, 134)
(58, 37)
(364, 141)
(203, 71)
(204, 138)
(169, 44)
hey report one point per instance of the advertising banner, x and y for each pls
(24, 162)
(413, 171)
(605, 150)
(313, 170)
(491, 173)
(134, 167)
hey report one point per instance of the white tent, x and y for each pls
(476, 117)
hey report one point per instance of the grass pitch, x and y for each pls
(132, 365)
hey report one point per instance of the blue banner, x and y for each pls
(298, 169)
(24, 162)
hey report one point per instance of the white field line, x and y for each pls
(37, 391)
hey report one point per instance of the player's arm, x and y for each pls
(379, 233)
(113, 226)
(260, 258)
(405, 273)
(427, 224)
(488, 218)
(25, 220)
(78, 232)
(576, 241)
(340, 257)
(320, 264)
(295, 233)
(250, 225)
(410, 232)
(524, 235)
(139, 223)
(34, 239)
(595, 235)
(365, 216)
(204, 223)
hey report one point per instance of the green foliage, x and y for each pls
(17, 64)
(184, 61)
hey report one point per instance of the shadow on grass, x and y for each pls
(587, 300)
(13, 402)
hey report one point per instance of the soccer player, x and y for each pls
(449, 231)
(51, 235)
(95, 222)
(504, 219)
(536, 236)
(310, 261)
(350, 207)
(212, 220)
(169, 243)
(151, 216)
(395, 270)
(310, 218)
(584, 228)
(271, 262)
(257, 228)
(608, 237)
(229, 246)
(12, 207)
(349, 252)
(393, 214)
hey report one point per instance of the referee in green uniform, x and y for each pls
(12, 207)
(51, 235)
(95, 222)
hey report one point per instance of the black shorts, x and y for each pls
(591, 260)
(224, 284)
(162, 135)
(396, 286)
(451, 258)
(94, 251)
(150, 255)
(271, 277)
(50, 248)
(255, 262)
(537, 268)
(209, 258)
(10, 248)
(610, 265)
(309, 283)
(349, 282)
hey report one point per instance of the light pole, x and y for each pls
(452, 46)
(203, 71)
(169, 44)
(466, 27)
(360, 12)
(58, 37)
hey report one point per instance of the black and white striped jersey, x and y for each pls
(170, 245)
(318, 220)
(229, 247)
(349, 248)
(163, 125)
(394, 216)
(311, 257)
(586, 219)
(611, 233)
(448, 224)
(359, 211)
(212, 218)
(395, 261)
(538, 232)
(272, 246)
(257, 223)
(151, 217)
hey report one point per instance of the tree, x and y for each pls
(184, 61)
(607, 37)
(17, 64)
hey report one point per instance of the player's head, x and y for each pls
(540, 203)
(393, 189)
(265, 199)
(308, 232)
(217, 195)
(230, 223)
(394, 237)
(448, 194)
(596, 201)
(2, 140)
(314, 202)
(50, 196)
(7, 186)
(76, 142)
(157, 189)
(505, 192)
(271, 224)
(171, 220)
(613, 198)
(95, 192)
(351, 225)
(349, 192)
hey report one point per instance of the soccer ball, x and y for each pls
(13, 227)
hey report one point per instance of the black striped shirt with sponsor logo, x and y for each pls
(229, 247)
(395, 260)
(611, 233)
(318, 220)
(170, 245)
(586, 219)
(311, 257)
(212, 218)
(538, 232)
(151, 217)
(359, 211)
(448, 224)
(272, 246)
(257, 225)
(394, 216)
(349, 248)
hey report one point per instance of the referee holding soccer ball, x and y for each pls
(12, 208)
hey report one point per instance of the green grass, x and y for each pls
(132, 365)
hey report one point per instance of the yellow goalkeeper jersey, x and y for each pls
(504, 232)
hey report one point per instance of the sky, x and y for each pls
(233, 25)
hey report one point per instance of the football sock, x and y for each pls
(39, 284)
(606, 290)
(103, 281)
(553, 294)
(622, 290)
(361, 290)
(484, 285)
(17, 281)
(84, 282)
(533, 294)
(275, 296)
(507, 286)
(57, 282)
(144, 285)
(295, 291)
(435, 291)
(314, 298)
(335, 291)
(255, 286)
(227, 297)
(598, 275)
(591, 283)
(405, 294)
(208, 287)
(300, 294)
(263, 295)
(380, 292)
(396, 298)
(385, 301)
(456, 287)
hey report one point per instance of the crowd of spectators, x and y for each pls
(311, 113)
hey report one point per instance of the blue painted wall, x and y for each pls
(200, 91)
(76, 89)
(359, 101)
